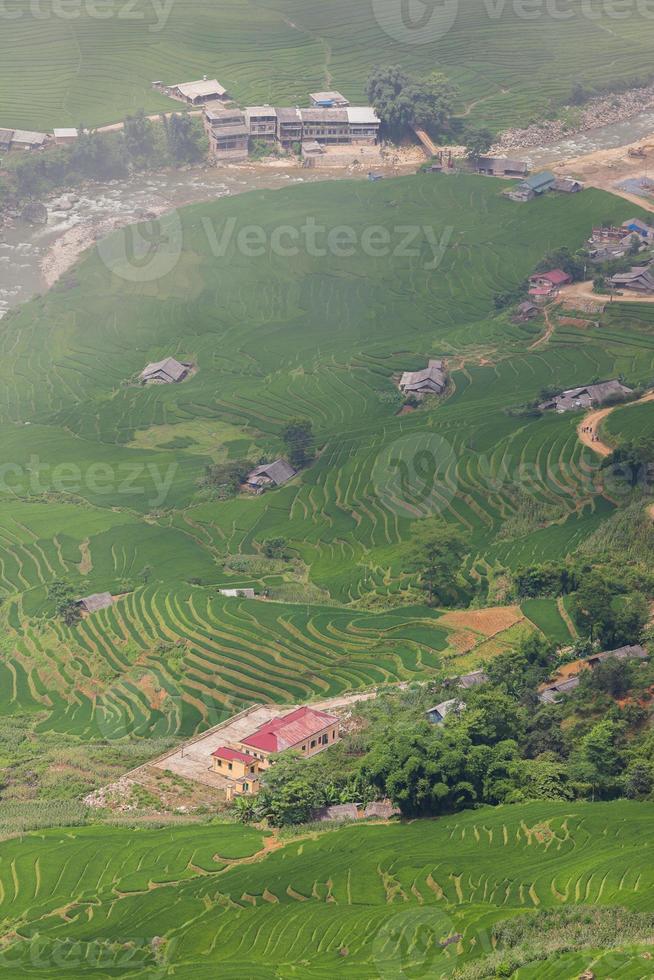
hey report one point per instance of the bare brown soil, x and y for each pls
(488, 622)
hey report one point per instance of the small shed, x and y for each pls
(167, 371)
(197, 93)
(96, 601)
(269, 475)
(328, 100)
(551, 693)
(5, 139)
(64, 136)
(239, 593)
(439, 712)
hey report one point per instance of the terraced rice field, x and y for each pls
(384, 897)
(630, 423)
(63, 69)
(95, 492)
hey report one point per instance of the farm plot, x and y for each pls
(61, 70)
(272, 339)
(390, 896)
(161, 663)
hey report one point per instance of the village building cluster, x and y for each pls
(305, 730)
(587, 396)
(233, 131)
(540, 183)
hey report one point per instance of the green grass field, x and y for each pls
(87, 67)
(95, 491)
(368, 901)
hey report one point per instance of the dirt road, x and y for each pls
(584, 292)
(588, 428)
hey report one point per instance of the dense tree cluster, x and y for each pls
(402, 101)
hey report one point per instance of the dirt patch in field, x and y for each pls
(156, 695)
(488, 622)
(462, 642)
(574, 321)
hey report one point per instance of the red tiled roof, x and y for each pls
(556, 276)
(289, 730)
(232, 754)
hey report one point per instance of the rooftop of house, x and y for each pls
(318, 115)
(324, 97)
(289, 730)
(65, 133)
(288, 115)
(362, 114)
(27, 136)
(200, 89)
(267, 111)
(230, 129)
(232, 755)
(556, 276)
(5, 135)
(446, 707)
(95, 601)
(539, 181)
(472, 679)
(170, 366)
(279, 471)
(433, 372)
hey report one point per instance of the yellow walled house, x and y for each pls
(239, 767)
(306, 730)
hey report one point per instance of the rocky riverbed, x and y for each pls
(599, 112)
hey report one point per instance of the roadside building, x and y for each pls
(229, 136)
(552, 280)
(261, 121)
(567, 679)
(289, 126)
(23, 139)
(305, 730)
(64, 137)
(269, 475)
(532, 186)
(325, 125)
(502, 167)
(95, 602)
(167, 371)
(241, 771)
(639, 279)
(363, 124)
(200, 92)
(311, 150)
(432, 380)
(629, 652)
(5, 139)
(328, 100)
(567, 185)
(589, 396)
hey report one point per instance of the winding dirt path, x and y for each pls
(545, 336)
(588, 428)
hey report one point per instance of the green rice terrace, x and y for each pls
(318, 336)
(83, 67)
(465, 896)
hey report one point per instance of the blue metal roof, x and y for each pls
(539, 182)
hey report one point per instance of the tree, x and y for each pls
(298, 437)
(563, 258)
(402, 101)
(183, 138)
(61, 594)
(632, 461)
(437, 558)
(591, 605)
(138, 133)
(599, 759)
(224, 479)
(275, 548)
(477, 143)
